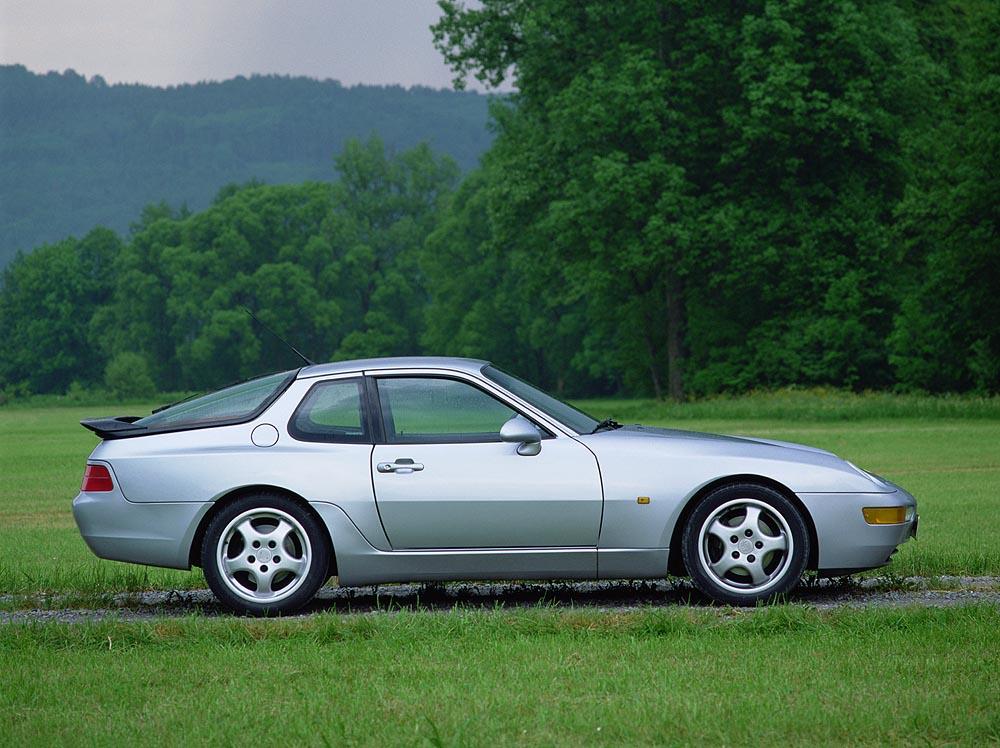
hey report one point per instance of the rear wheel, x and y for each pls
(265, 554)
(745, 544)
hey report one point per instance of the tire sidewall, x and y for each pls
(691, 541)
(319, 563)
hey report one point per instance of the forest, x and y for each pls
(681, 199)
(77, 153)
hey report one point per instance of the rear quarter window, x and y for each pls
(331, 412)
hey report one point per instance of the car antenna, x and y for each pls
(296, 351)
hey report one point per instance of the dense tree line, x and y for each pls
(332, 267)
(77, 153)
(743, 194)
(681, 199)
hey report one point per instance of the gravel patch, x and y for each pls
(822, 594)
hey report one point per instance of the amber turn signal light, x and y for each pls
(884, 515)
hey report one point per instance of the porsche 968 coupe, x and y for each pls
(443, 469)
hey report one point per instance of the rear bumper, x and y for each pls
(155, 534)
(848, 543)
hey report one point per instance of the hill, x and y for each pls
(77, 153)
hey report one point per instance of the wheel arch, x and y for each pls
(194, 554)
(675, 563)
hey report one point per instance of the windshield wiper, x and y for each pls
(607, 423)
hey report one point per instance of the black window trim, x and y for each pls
(375, 402)
(370, 433)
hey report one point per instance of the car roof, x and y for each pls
(471, 365)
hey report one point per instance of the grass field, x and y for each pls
(782, 675)
(545, 676)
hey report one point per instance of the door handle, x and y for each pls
(402, 465)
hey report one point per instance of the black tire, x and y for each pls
(727, 563)
(281, 551)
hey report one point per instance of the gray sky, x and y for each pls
(166, 42)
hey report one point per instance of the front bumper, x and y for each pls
(157, 534)
(846, 542)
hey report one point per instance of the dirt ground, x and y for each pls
(821, 594)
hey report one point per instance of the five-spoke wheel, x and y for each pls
(745, 543)
(265, 554)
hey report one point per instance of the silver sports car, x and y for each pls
(433, 469)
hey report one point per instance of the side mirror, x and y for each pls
(524, 433)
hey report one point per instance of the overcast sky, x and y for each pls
(165, 42)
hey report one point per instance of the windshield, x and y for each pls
(574, 418)
(234, 403)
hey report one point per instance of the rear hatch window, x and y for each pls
(237, 403)
(234, 404)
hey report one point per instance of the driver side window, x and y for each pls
(434, 410)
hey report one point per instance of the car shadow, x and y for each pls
(441, 597)
(576, 595)
(391, 598)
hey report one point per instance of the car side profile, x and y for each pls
(440, 469)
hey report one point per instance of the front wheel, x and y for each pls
(745, 544)
(264, 555)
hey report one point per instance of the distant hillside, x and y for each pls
(77, 153)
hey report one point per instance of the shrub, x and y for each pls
(127, 376)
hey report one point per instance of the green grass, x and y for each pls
(96, 402)
(538, 677)
(794, 404)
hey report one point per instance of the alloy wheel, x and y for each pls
(264, 555)
(745, 546)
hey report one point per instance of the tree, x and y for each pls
(683, 198)
(330, 268)
(79, 153)
(664, 165)
(384, 206)
(947, 335)
(47, 300)
(480, 303)
(127, 376)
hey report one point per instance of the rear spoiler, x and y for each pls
(114, 428)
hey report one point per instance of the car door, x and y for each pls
(468, 489)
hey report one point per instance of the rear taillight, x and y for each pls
(97, 478)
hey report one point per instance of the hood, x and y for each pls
(701, 435)
(676, 451)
